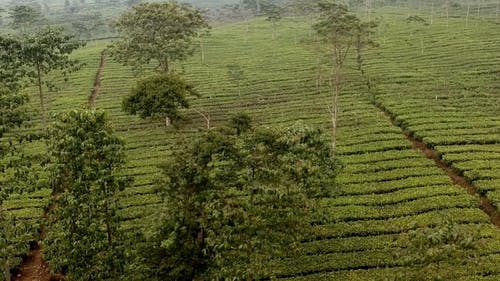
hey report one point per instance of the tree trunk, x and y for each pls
(422, 45)
(447, 12)
(164, 67)
(368, 10)
(7, 271)
(498, 9)
(40, 91)
(246, 31)
(467, 16)
(478, 9)
(202, 47)
(274, 30)
(337, 80)
(168, 122)
(432, 13)
(108, 228)
(258, 7)
(318, 73)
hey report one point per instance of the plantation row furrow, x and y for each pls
(394, 197)
(469, 272)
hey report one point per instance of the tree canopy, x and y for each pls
(236, 197)
(12, 68)
(83, 239)
(24, 17)
(46, 51)
(160, 95)
(158, 32)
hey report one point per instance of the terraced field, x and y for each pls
(446, 96)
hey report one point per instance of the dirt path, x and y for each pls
(455, 175)
(97, 82)
(34, 268)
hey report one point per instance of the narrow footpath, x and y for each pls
(455, 175)
(97, 82)
(33, 267)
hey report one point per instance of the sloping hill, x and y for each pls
(446, 96)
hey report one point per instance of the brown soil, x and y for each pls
(97, 82)
(455, 175)
(34, 268)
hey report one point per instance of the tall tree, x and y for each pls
(339, 32)
(273, 14)
(364, 34)
(87, 24)
(47, 51)
(420, 30)
(24, 17)
(159, 32)
(235, 198)
(83, 239)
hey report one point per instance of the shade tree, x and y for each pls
(46, 52)
(83, 237)
(236, 197)
(273, 14)
(85, 25)
(339, 32)
(160, 96)
(157, 32)
(24, 17)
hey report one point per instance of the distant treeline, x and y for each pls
(91, 19)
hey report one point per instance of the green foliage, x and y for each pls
(86, 25)
(305, 7)
(160, 32)
(236, 200)
(340, 30)
(236, 74)
(416, 19)
(273, 13)
(24, 17)
(431, 248)
(11, 111)
(159, 96)
(336, 25)
(46, 51)
(242, 122)
(83, 239)
(12, 69)
(14, 235)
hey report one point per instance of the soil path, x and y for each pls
(34, 268)
(455, 175)
(97, 82)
